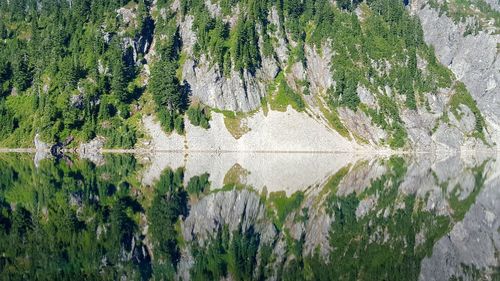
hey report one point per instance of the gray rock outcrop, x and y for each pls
(92, 150)
(234, 209)
(42, 150)
(474, 59)
(235, 92)
(39, 144)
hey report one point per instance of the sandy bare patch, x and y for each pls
(288, 131)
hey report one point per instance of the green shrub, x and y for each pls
(284, 95)
(199, 116)
(179, 124)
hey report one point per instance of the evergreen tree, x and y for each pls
(165, 86)
(22, 75)
(118, 80)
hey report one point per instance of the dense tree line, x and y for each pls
(169, 94)
(65, 71)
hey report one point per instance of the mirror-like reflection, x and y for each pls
(250, 217)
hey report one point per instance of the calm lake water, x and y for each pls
(250, 217)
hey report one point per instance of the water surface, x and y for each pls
(250, 217)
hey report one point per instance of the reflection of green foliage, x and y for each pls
(198, 184)
(460, 207)
(211, 262)
(168, 203)
(91, 214)
(281, 206)
(376, 246)
(62, 220)
(236, 175)
(334, 181)
(382, 242)
(235, 254)
(67, 217)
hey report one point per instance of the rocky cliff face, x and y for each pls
(417, 77)
(444, 118)
(472, 55)
(272, 84)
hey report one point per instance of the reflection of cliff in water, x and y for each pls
(250, 217)
(371, 220)
(470, 251)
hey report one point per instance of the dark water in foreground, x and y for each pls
(250, 217)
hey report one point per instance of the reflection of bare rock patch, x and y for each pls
(92, 151)
(158, 163)
(42, 150)
(340, 175)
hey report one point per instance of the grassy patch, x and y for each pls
(234, 122)
(281, 95)
(23, 112)
(182, 59)
(334, 120)
(462, 96)
(280, 206)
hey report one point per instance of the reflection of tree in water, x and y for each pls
(64, 221)
(234, 253)
(170, 201)
(383, 244)
(69, 221)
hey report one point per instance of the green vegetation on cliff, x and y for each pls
(77, 69)
(66, 69)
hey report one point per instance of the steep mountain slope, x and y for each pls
(266, 75)
(466, 37)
